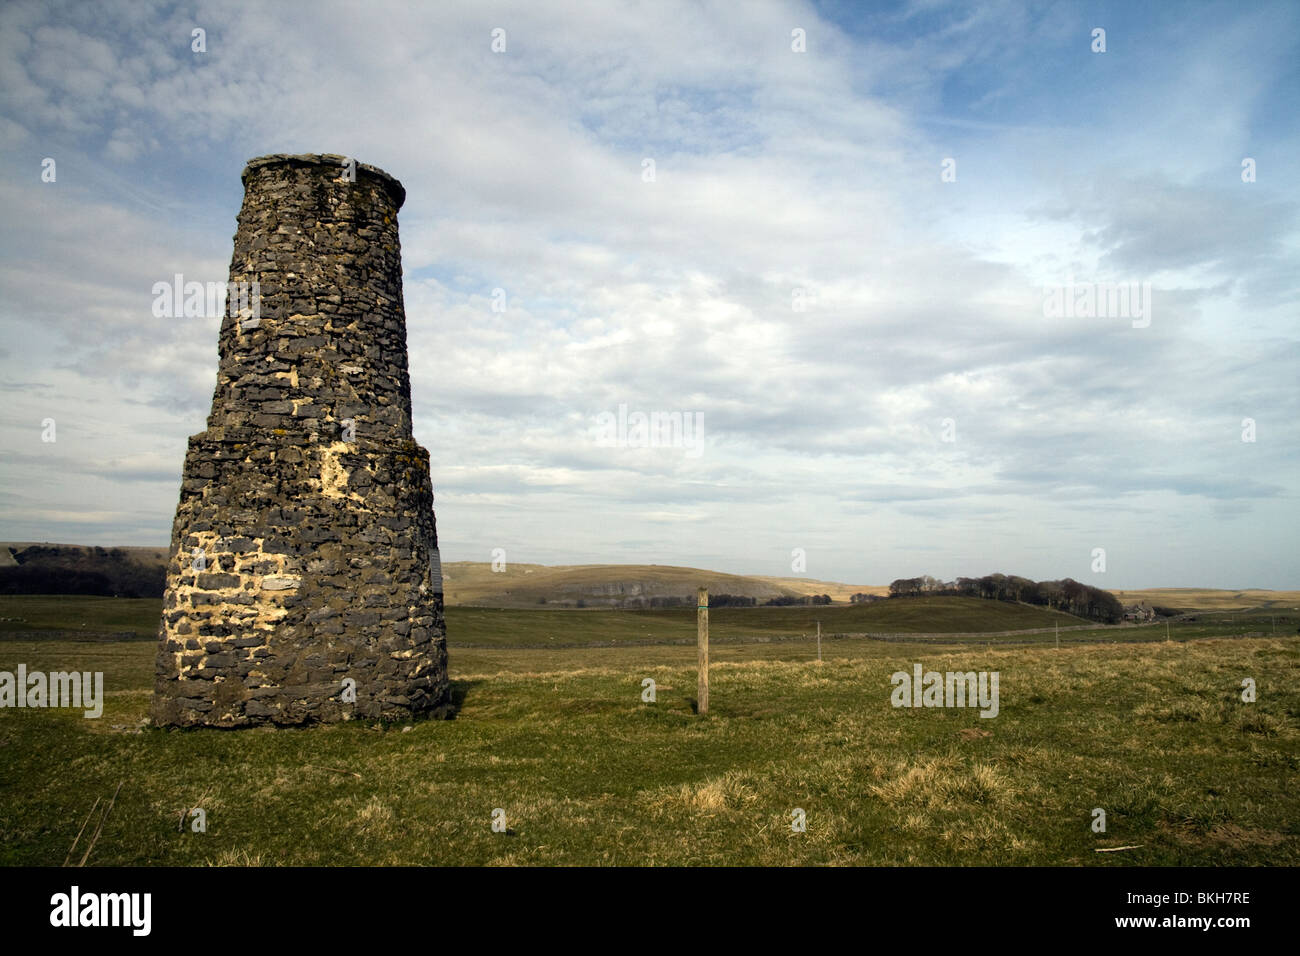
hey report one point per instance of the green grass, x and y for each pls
(540, 627)
(1155, 733)
(39, 612)
(486, 627)
(475, 626)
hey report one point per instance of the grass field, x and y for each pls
(541, 626)
(1155, 733)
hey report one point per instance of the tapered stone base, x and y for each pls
(301, 587)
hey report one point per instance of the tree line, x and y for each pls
(1068, 595)
(786, 600)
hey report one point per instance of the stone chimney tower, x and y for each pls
(304, 582)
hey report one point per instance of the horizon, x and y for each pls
(752, 574)
(927, 290)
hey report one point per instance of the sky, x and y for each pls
(829, 235)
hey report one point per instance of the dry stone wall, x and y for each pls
(304, 582)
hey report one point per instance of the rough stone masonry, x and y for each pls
(304, 582)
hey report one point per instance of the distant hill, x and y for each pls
(42, 568)
(617, 585)
(1212, 599)
(29, 568)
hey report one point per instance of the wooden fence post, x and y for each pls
(702, 639)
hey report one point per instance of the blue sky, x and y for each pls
(775, 171)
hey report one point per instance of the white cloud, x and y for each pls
(774, 171)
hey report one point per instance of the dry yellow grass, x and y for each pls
(1211, 599)
(1157, 734)
(522, 585)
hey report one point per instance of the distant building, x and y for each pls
(1139, 613)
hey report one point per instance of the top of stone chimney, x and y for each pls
(395, 188)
